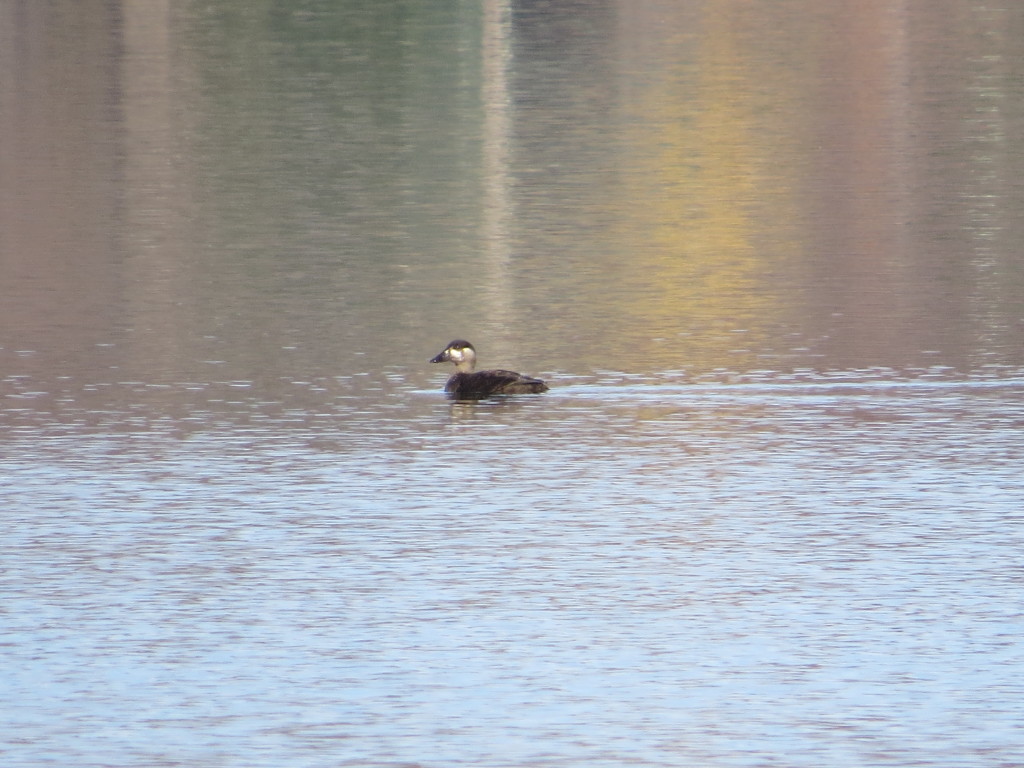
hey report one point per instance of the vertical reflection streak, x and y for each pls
(495, 174)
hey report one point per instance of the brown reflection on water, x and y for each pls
(59, 193)
(193, 192)
(854, 186)
(160, 232)
(96, 224)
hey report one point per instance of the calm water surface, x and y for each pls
(770, 513)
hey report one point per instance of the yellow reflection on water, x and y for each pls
(698, 193)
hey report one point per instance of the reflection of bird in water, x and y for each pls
(465, 384)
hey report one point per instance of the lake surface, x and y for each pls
(768, 258)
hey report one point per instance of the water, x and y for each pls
(768, 514)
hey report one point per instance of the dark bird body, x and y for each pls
(465, 384)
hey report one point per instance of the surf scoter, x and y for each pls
(465, 384)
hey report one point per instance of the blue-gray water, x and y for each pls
(770, 512)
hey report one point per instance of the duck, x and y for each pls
(465, 384)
